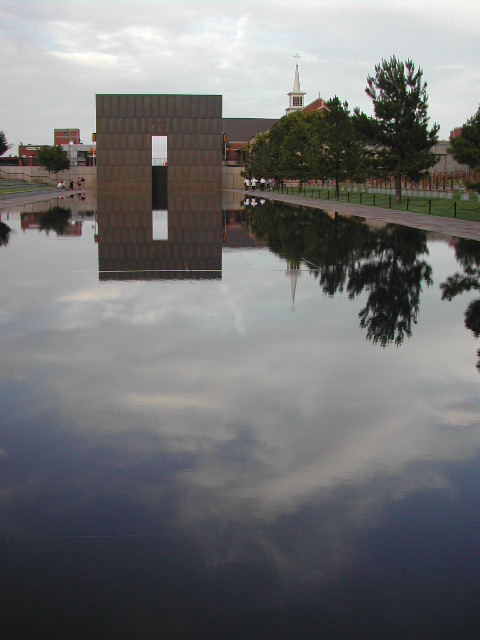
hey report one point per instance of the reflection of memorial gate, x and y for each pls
(127, 251)
(128, 189)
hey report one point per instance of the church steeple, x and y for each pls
(295, 97)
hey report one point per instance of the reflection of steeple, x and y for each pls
(295, 97)
(293, 271)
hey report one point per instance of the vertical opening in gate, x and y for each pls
(159, 187)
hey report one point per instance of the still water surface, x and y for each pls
(266, 427)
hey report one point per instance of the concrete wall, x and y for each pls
(232, 178)
(39, 175)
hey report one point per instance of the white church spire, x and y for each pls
(296, 96)
(296, 81)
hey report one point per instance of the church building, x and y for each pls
(296, 97)
(239, 132)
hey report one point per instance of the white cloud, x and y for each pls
(64, 55)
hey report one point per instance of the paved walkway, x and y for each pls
(448, 226)
(27, 197)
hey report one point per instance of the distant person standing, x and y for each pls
(263, 182)
(246, 182)
(254, 183)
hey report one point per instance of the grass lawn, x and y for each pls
(455, 208)
(16, 186)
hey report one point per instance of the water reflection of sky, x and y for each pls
(197, 454)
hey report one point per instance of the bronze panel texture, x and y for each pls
(125, 124)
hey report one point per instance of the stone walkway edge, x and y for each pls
(448, 226)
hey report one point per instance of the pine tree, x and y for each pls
(341, 153)
(399, 130)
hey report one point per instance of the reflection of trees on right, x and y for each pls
(393, 275)
(468, 255)
(346, 253)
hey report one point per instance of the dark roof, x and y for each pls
(244, 129)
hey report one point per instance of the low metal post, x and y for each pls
(429, 207)
(374, 199)
(390, 201)
(408, 201)
(455, 209)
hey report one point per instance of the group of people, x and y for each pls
(265, 185)
(80, 183)
(251, 183)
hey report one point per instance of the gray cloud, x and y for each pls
(60, 55)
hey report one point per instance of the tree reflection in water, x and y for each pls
(54, 219)
(5, 232)
(393, 274)
(468, 255)
(347, 254)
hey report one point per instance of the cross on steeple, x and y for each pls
(297, 57)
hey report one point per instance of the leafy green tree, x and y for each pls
(294, 154)
(284, 151)
(4, 146)
(399, 132)
(302, 146)
(53, 159)
(466, 148)
(258, 161)
(339, 153)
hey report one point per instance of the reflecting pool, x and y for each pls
(265, 425)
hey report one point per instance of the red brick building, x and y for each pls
(65, 136)
(27, 154)
(317, 105)
(456, 133)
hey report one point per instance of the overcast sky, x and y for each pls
(57, 54)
